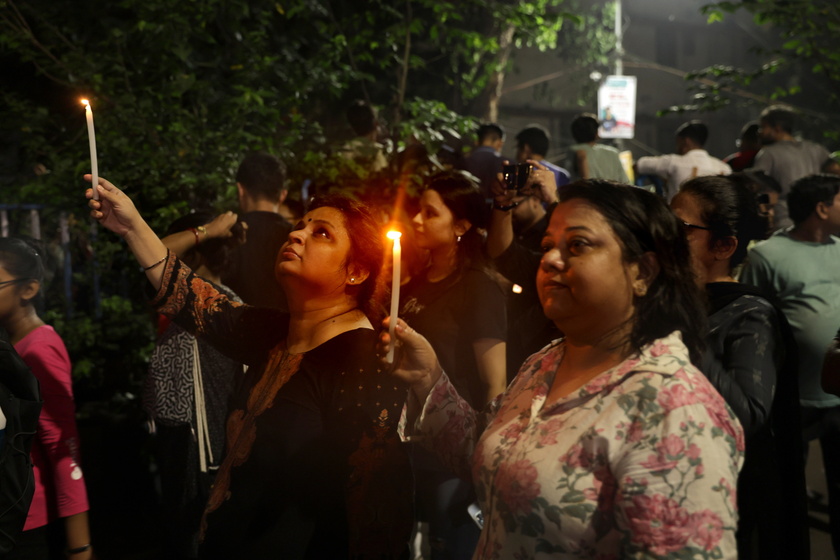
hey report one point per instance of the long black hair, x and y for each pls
(643, 223)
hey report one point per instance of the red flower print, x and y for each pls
(658, 463)
(671, 446)
(693, 451)
(671, 398)
(549, 431)
(708, 529)
(635, 432)
(576, 457)
(659, 349)
(512, 431)
(659, 524)
(517, 484)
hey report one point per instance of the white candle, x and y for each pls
(395, 292)
(94, 166)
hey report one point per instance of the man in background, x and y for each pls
(749, 143)
(485, 160)
(801, 266)
(690, 161)
(364, 149)
(260, 186)
(593, 160)
(532, 143)
(787, 159)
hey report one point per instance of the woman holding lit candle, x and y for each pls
(461, 310)
(313, 467)
(608, 443)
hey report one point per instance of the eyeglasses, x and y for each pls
(16, 280)
(688, 226)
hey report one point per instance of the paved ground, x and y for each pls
(820, 540)
(127, 526)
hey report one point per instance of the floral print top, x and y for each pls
(641, 462)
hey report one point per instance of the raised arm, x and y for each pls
(116, 212)
(182, 241)
(500, 230)
(241, 332)
(542, 183)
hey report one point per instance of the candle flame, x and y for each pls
(85, 102)
(394, 235)
(516, 289)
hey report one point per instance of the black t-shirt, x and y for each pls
(452, 314)
(251, 272)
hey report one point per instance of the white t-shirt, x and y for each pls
(676, 169)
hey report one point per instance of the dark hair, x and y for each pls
(778, 116)
(367, 250)
(21, 257)
(214, 253)
(490, 131)
(749, 133)
(695, 131)
(809, 191)
(460, 193)
(730, 209)
(585, 128)
(642, 223)
(536, 137)
(262, 175)
(361, 117)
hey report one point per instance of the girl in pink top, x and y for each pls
(59, 485)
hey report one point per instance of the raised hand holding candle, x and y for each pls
(94, 166)
(395, 292)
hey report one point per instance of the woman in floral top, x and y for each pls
(609, 443)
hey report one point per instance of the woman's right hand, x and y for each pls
(415, 360)
(114, 209)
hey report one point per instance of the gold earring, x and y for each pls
(352, 279)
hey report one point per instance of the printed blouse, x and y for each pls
(640, 462)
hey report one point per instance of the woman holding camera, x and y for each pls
(609, 443)
(313, 467)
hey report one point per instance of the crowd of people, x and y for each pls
(582, 368)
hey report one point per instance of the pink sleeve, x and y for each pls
(446, 425)
(57, 434)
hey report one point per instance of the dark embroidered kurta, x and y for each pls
(313, 466)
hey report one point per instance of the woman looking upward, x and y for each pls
(313, 467)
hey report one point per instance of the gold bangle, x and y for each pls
(151, 266)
